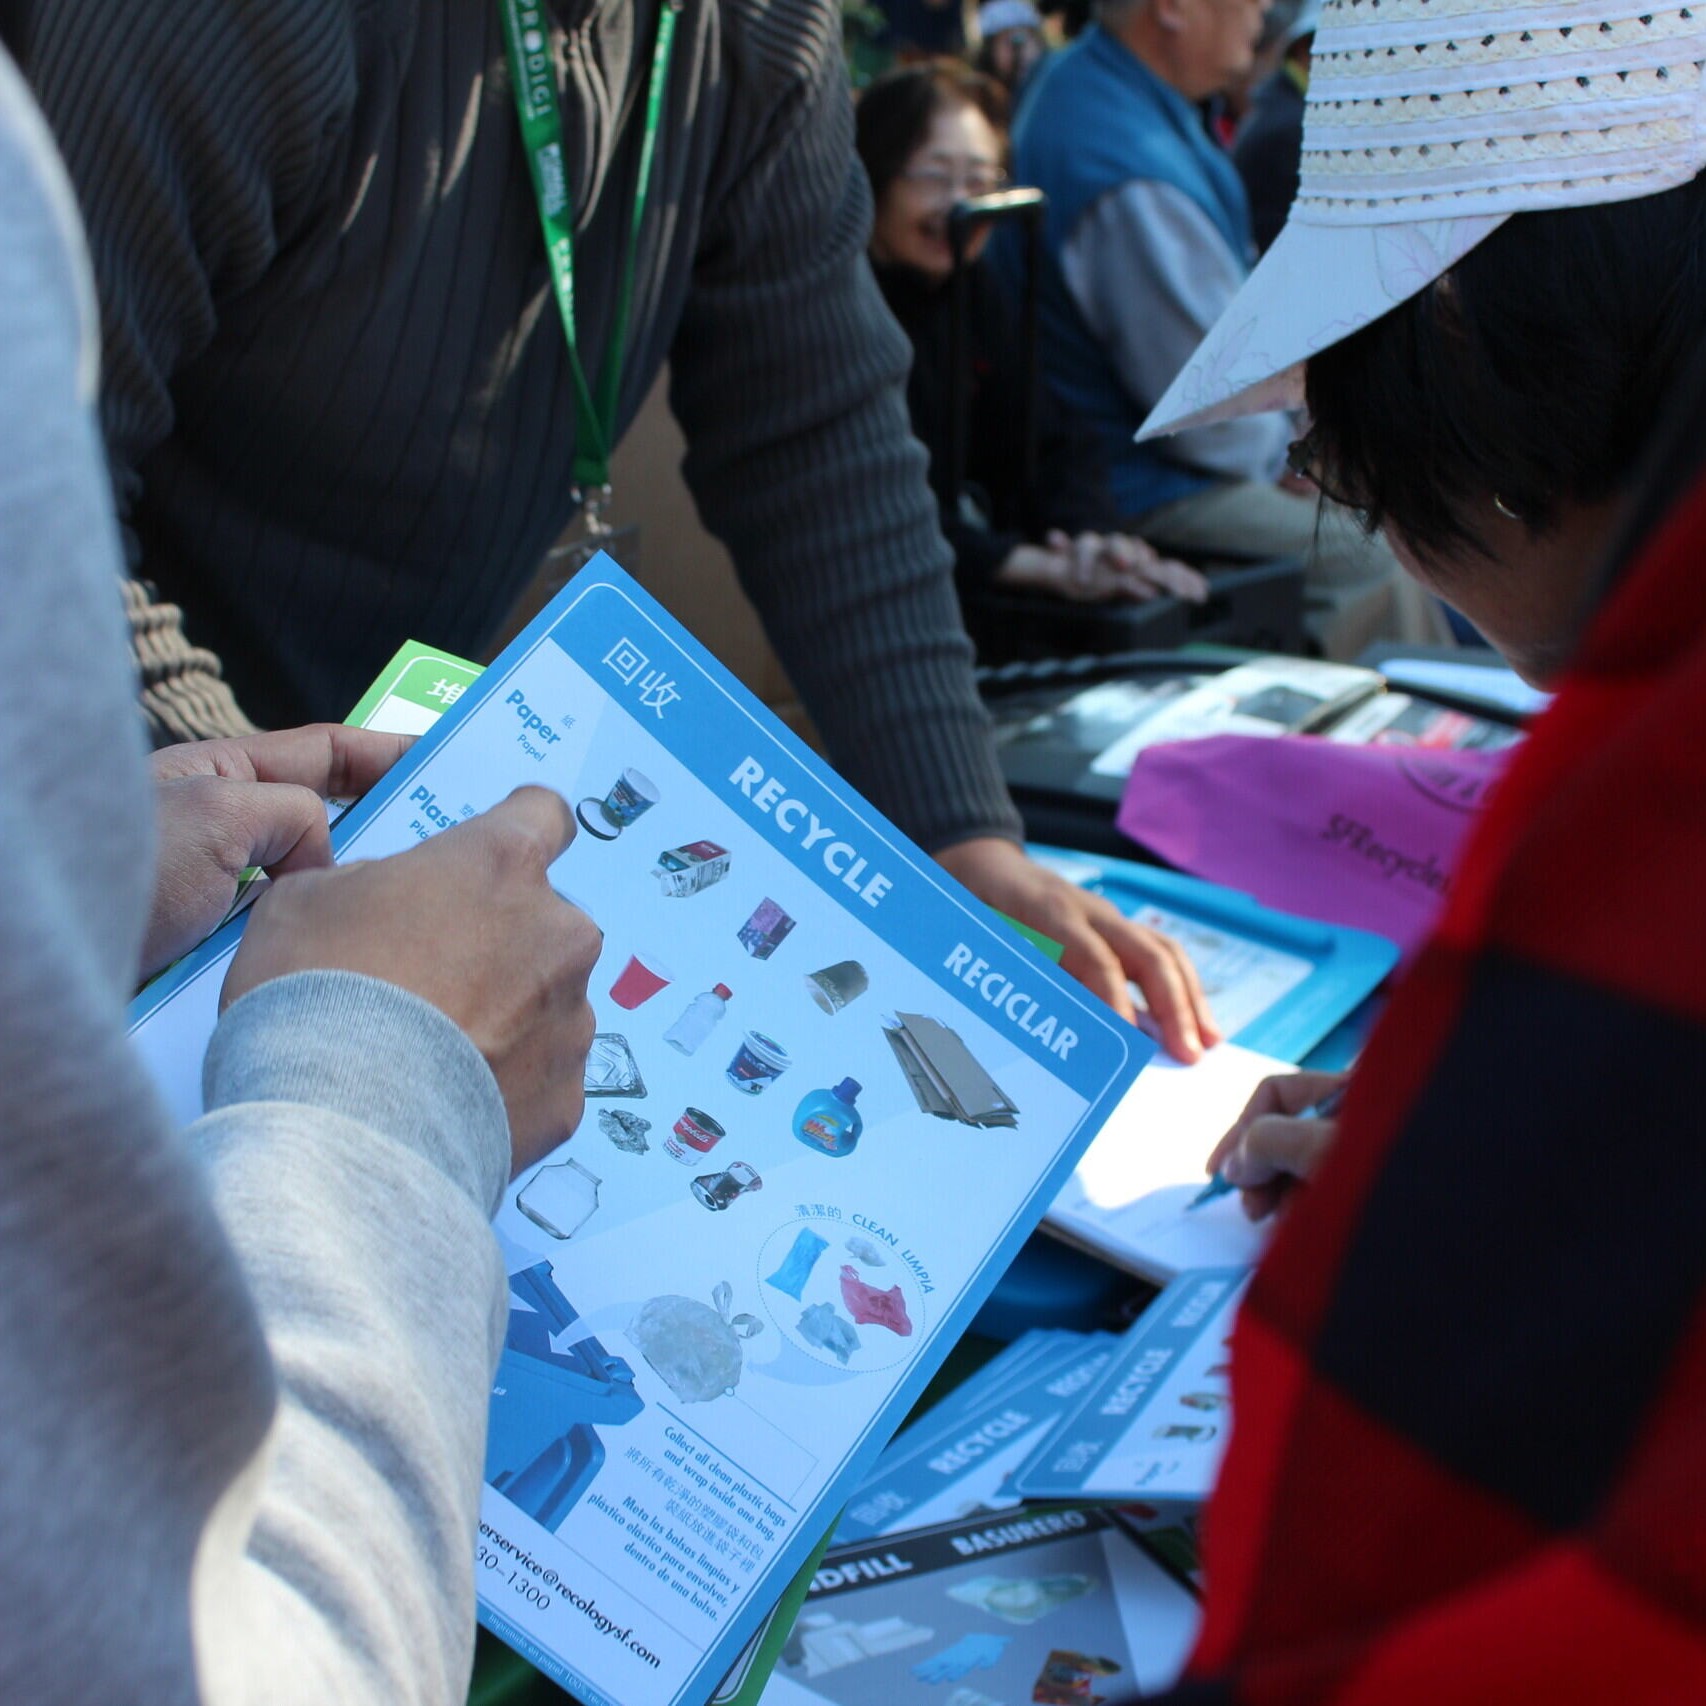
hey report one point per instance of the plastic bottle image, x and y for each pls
(828, 1121)
(698, 1019)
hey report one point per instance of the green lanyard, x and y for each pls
(533, 75)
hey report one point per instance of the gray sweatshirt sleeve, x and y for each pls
(245, 1372)
(788, 377)
(1151, 275)
(356, 1148)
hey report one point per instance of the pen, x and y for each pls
(1324, 1109)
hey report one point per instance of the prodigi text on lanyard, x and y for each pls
(533, 75)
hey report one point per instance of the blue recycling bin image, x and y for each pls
(548, 1402)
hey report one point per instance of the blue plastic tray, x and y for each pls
(1347, 964)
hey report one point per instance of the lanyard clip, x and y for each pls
(594, 502)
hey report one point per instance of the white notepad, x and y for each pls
(1126, 1200)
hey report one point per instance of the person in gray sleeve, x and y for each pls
(342, 408)
(247, 1364)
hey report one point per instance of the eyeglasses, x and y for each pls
(948, 181)
(1303, 458)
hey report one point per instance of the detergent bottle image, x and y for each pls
(828, 1121)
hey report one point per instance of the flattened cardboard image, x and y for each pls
(947, 1081)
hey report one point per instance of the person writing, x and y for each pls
(1467, 1375)
(1280, 1138)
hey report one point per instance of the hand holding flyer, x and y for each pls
(727, 1288)
(508, 962)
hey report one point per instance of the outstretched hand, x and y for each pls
(1103, 948)
(222, 806)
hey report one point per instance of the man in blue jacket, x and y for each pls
(1147, 240)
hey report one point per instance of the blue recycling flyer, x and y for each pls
(959, 1464)
(1154, 1426)
(1063, 1607)
(829, 1097)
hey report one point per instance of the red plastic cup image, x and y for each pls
(641, 978)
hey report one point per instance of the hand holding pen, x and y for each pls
(1279, 1139)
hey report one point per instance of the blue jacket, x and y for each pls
(1094, 119)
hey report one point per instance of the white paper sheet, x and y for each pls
(1126, 1200)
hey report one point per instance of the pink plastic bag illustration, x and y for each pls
(1364, 836)
(870, 1307)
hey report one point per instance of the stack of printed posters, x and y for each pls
(1063, 1606)
(1034, 1536)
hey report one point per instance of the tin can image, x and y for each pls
(718, 1190)
(693, 1137)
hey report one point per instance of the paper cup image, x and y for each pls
(641, 978)
(759, 1060)
(693, 1137)
(764, 932)
(631, 796)
(835, 986)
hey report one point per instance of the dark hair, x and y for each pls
(894, 112)
(1533, 370)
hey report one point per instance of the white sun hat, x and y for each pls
(1428, 123)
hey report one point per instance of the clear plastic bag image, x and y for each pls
(694, 1347)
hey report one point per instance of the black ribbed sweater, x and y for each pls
(336, 395)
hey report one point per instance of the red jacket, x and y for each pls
(1469, 1459)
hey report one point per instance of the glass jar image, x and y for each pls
(560, 1198)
